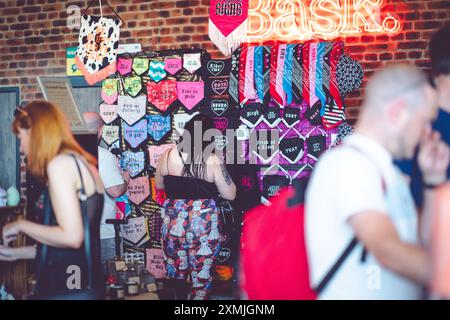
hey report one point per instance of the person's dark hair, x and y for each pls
(440, 51)
(196, 161)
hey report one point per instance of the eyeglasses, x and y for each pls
(20, 110)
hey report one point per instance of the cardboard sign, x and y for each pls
(138, 190)
(155, 263)
(155, 153)
(133, 162)
(108, 112)
(110, 134)
(131, 109)
(137, 133)
(136, 231)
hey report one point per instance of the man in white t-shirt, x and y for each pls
(115, 183)
(355, 190)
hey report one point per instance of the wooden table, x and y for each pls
(14, 274)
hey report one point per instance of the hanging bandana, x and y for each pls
(272, 116)
(162, 94)
(218, 68)
(305, 73)
(133, 86)
(156, 152)
(318, 87)
(349, 75)
(219, 86)
(312, 73)
(326, 68)
(277, 58)
(110, 134)
(297, 74)
(312, 114)
(336, 53)
(192, 62)
(315, 146)
(158, 126)
(292, 149)
(97, 47)
(180, 119)
(124, 66)
(156, 70)
(291, 116)
(333, 115)
(233, 86)
(266, 146)
(288, 70)
(109, 90)
(190, 93)
(228, 23)
(218, 107)
(133, 162)
(249, 88)
(140, 65)
(242, 74)
(131, 109)
(138, 191)
(108, 113)
(259, 72)
(135, 233)
(251, 115)
(272, 183)
(136, 134)
(173, 65)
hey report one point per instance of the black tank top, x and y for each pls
(53, 276)
(188, 187)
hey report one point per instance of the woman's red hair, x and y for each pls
(50, 135)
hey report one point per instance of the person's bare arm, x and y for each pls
(378, 234)
(20, 253)
(223, 180)
(116, 191)
(68, 233)
(159, 179)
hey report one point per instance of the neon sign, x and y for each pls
(324, 19)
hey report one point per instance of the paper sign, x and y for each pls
(156, 152)
(108, 112)
(137, 133)
(131, 109)
(155, 263)
(110, 134)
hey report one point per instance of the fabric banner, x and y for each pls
(228, 23)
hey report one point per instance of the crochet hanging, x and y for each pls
(228, 23)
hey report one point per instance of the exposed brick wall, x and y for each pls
(34, 36)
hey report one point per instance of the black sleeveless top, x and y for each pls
(188, 187)
(58, 262)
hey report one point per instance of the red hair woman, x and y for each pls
(73, 205)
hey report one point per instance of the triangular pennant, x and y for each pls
(136, 134)
(131, 109)
(108, 112)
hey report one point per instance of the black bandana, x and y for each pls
(272, 184)
(272, 116)
(251, 114)
(313, 114)
(291, 116)
(316, 145)
(292, 149)
(297, 84)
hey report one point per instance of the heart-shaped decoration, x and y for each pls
(162, 94)
(221, 142)
(108, 112)
(219, 107)
(219, 86)
(215, 67)
(224, 255)
(221, 123)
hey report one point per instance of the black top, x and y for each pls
(188, 187)
(58, 262)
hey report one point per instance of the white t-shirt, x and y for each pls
(110, 175)
(347, 181)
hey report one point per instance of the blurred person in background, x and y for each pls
(357, 194)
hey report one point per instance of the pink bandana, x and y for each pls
(312, 73)
(124, 66)
(138, 189)
(162, 94)
(173, 65)
(190, 93)
(156, 152)
(279, 78)
(249, 87)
